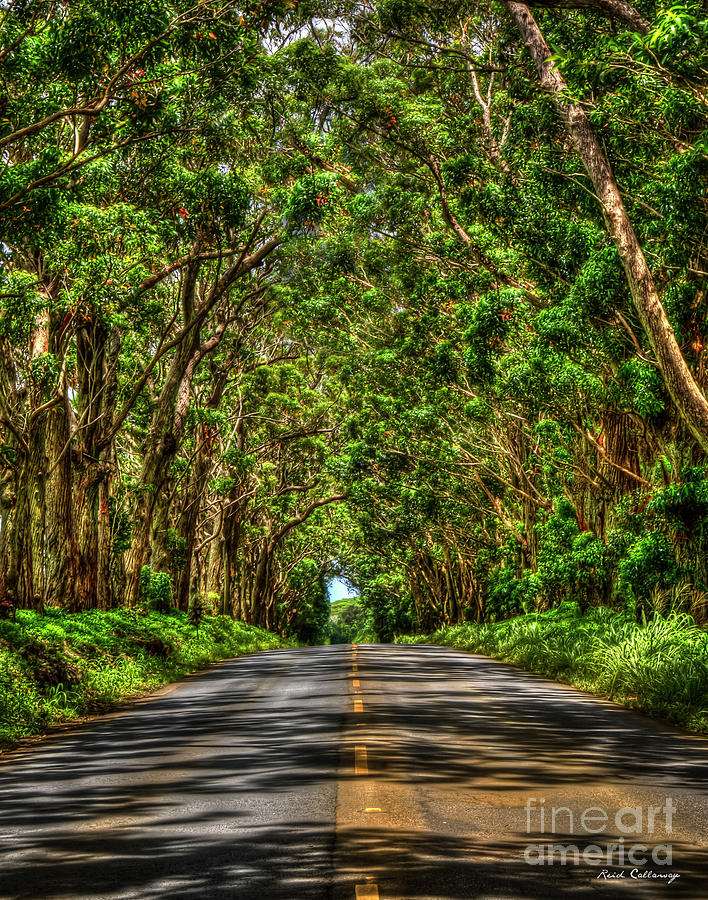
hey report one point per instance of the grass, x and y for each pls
(60, 667)
(660, 668)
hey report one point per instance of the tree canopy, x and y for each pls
(414, 292)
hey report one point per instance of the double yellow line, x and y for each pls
(370, 890)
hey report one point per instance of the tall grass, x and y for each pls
(660, 668)
(59, 667)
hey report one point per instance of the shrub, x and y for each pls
(59, 666)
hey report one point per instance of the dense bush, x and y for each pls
(58, 667)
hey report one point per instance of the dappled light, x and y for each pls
(351, 353)
(227, 785)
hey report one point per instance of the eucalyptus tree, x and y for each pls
(392, 270)
(129, 215)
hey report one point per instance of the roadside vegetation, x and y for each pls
(659, 668)
(60, 666)
(348, 622)
(292, 289)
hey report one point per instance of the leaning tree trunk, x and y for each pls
(86, 502)
(160, 557)
(159, 452)
(687, 396)
(137, 555)
(104, 540)
(161, 447)
(262, 597)
(194, 495)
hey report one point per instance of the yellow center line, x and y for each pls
(358, 706)
(361, 762)
(355, 667)
(355, 683)
(367, 892)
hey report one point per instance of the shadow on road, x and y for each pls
(227, 786)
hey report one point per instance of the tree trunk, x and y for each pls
(26, 575)
(104, 544)
(160, 560)
(192, 506)
(87, 491)
(136, 556)
(214, 560)
(97, 355)
(6, 502)
(61, 546)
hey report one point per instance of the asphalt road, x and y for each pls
(397, 773)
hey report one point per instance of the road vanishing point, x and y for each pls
(358, 773)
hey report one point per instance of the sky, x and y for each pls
(338, 589)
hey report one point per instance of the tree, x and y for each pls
(388, 284)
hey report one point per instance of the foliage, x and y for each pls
(288, 290)
(61, 666)
(347, 621)
(508, 595)
(156, 589)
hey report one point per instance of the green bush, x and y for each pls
(156, 589)
(60, 666)
(510, 595)
(649, 563)
(572, 563)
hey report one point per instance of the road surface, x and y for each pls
(332, 773)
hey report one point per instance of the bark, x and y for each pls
(621, 469)
(197, 483)
(27, 563)
(97, 353)
(452, 604)
(260, 589)
(160, 560)
(137, 553)
(6, 503)
(226, 606)
(104, 540)
(61, 545)
(190, 518)
(86, 504)
(214, 560)
(25, 577)
(687, 396)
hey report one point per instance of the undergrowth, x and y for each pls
(660, 668)
(59, 667)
